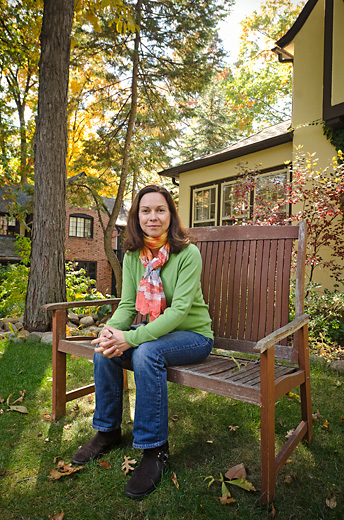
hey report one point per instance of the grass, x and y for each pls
(202, 444)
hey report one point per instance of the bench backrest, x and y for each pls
(246, 281)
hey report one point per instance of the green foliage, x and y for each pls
(336, 138)
(212, 127)
(259, 86)
(23, 246)
(13, 286)
(326, 309)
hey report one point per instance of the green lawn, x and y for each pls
(202, 444)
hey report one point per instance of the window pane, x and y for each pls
(204, 210)
(270, 194)
(87, 228)
(72, 226)
(235, 207)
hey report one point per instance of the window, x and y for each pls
(89, 267)
(230, 201)
(271, 188)
(7, 225)
(80, 226)
(235, 208)
(205, 206)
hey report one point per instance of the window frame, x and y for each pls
(218, 184)
(85, 218)
(200, 223)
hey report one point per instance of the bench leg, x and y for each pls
(305, 388)
(59, 366)
(267, 413)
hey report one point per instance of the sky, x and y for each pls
(230, 29)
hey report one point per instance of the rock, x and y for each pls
(72, 325)
(17, 340)
(35, 336)
(74, 318)
(9, 326)
(47, 337)
(95, 317)
(338, 366)
(87, 321)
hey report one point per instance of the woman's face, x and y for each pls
(154, 214)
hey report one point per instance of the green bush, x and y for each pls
(13, 286)
(326, 309)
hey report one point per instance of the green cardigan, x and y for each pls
(186, 309)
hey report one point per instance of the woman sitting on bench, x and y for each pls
(161, 277)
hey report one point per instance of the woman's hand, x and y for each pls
(111, 342)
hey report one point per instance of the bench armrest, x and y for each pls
(81, 303)
(273, 338)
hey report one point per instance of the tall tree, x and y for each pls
(47, 274)
(151, 82)
(212, 128)
(20, 24)
(258, 86)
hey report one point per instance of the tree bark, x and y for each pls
(125, 161)
(47, 274)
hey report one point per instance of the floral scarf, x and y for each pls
(150, 297)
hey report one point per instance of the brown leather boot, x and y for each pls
(148, 473)
(96, 446)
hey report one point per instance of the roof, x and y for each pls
(267, 138)
(287, 55)
(8, 249)
(124, 211)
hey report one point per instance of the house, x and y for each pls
(84, 236)
(314, 44)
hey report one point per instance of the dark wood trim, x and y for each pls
(229, 154)
(298, 24)
(333, 115)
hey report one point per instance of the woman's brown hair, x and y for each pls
(178, 236)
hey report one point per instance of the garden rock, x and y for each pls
(47, 337)
(87, 321)
(74, 318)
(34, 336)
(338, 366)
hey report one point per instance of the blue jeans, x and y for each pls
(149, 361)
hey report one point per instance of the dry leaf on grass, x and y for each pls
(331, 501)
(105, 464)
(2, 400)
(63, 470)
(47, 417)
(226, 499)
(126, 465)
(289, 434)
(288, 479)
(232, 428)
(326, 425)
(237, 471)
(20, 409)
(273, 511)
(174, 480)
(58, 516)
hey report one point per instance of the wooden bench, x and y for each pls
(245, 280)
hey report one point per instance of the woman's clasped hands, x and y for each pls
(111, 342)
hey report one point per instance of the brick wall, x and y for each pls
(90, 249)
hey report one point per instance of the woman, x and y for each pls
(161, 277)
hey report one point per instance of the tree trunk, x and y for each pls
(47, 274)
(125, 162)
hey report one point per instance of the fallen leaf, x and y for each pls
(226, 499)
(47, 417)
(126, 465)
(288, 479)
(342, 419)
(8, 399)
(63, 470)
(331, 501)
(326, 425)
(232, 428)
(289, 434)
(67, 426)
(1, 400)
(210, 442)
(273, 511)
(73, 356)
(235, 472)
(175, 418)
(58, 516)
(20, 409)
(105, 464)
(174, 480)
(243, 484)
(90, 397)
